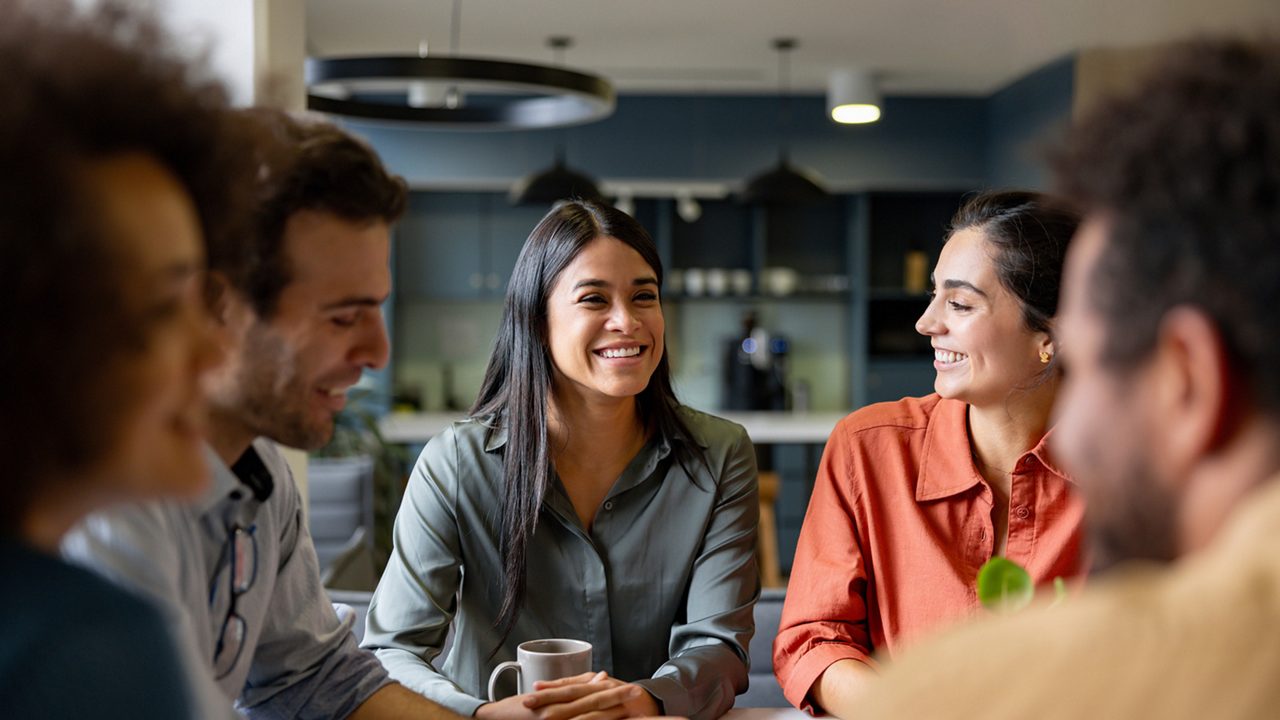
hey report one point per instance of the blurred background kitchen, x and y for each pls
(797, 248)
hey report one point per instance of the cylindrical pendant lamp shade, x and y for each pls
(852, 97)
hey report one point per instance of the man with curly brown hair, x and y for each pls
(1169, 419)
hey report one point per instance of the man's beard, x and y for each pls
(274, 402)
(1138, 521)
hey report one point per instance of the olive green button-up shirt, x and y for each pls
(662, 585)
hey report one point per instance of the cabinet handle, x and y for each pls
(492, 281)
(476, 280)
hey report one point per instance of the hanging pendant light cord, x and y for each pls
(455, 30)
(453, 95)
(558, 44)
(784, 46)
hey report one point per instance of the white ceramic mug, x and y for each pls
(541, 660)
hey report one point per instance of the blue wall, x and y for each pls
(920, 143)
(1023, 119)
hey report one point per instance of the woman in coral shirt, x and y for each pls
(912, 497)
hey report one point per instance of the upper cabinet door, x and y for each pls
(508, 227)
(438, 249)
(460, 246)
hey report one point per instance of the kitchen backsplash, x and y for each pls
(431, 336)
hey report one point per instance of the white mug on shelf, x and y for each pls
(695, 282)
(717, 282)
(780, 280)
(674, 282)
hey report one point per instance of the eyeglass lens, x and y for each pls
(243, 562)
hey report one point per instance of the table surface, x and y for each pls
(762, 427)
(787, 713)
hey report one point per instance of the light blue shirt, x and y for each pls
(299, 660)
(662, 585)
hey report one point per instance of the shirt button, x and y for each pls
(1022, 512)
(608, 505)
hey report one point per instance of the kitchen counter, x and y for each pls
(763, 427)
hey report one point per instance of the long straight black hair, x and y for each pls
(518, 381)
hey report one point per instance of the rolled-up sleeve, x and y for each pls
(414, 604)
(824, 619)
(709, 659)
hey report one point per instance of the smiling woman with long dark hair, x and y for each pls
(581, 500)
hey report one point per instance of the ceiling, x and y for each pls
(966, 47)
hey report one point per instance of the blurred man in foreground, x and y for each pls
(298, 304)
(1170, 418)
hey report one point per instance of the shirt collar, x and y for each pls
(643, 467)
(1044, 454)
(227, 484)
(947, 467)
(497, 436)
(224, 482)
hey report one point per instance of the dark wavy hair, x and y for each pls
(1187, 173)
(80, 87)
(1030, 233)
(518, 380)
(304, 164)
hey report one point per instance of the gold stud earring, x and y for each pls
(1044, 357)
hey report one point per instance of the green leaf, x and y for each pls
(1003, 586)
(1059, 592)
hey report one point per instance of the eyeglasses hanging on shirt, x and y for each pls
(241, 559)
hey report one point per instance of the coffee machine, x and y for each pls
(754, 369)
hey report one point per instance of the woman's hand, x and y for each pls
(589, 696)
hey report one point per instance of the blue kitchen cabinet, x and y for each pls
(438, 248)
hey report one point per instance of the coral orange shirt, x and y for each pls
(898, 524)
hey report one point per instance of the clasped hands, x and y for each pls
(589, 696)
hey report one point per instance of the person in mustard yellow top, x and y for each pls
(912, 497)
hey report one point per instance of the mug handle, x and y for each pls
(493, 678)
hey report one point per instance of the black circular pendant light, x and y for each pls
(516, 95)
(457, 93)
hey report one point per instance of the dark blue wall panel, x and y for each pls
(920, 143)
(1024, 118)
